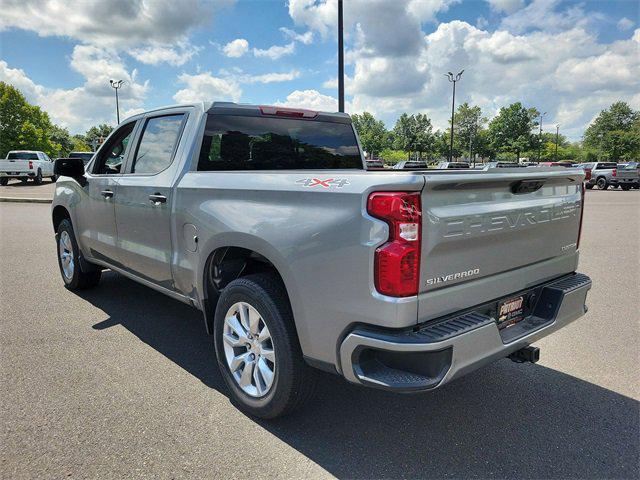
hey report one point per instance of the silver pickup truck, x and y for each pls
(266, 220)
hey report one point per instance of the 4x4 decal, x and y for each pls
(328, 183)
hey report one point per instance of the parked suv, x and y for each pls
(25, 165)
(266, 220)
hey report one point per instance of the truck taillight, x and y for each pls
(30, 165)
(582, 197)
(397, 262)
(587, 174)
(614, 173)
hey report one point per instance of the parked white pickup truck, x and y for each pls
(26, 164)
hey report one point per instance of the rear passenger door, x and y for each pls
(143, 204)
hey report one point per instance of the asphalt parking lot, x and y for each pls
(120, 381)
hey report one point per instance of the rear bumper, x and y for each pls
(14, 174)
(440, 351)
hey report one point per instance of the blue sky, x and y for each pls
(567, 58)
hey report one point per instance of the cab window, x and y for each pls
(111, 156)
(157, 144)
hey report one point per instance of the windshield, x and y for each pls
(233, 142)
(22, 156)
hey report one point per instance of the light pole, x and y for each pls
(471, 134)
(116, 84)
(557, 136)
(540, 138)
(453, 80)
(340, 59)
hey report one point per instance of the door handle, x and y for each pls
(106, 193)
(157, 199)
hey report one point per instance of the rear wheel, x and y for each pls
(38, 178)
(53, 178)
(74, 277)
(625, 187)
(602, 183)
(589, 186)
(4, 181)
(24, 180)
(257, 348)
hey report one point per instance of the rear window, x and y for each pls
(234, 142)
(22, 156)
(606, 166)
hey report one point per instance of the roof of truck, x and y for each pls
(232, 108)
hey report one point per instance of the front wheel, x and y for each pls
(74, 277)
(257, 348)
(602, 183)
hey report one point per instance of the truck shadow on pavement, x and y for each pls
(506, 420)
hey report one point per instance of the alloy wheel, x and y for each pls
(248, 349)
(65, 249)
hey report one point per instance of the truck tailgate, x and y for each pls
(489, 231)
(16, 165)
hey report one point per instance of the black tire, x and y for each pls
(589, 186)
(602, 183)
(38, 178)
(626, 188)
(294, 381)
(24, 180)
(53, 178)
(80, 279)
(4, 181)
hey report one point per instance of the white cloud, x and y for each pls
(81, 107)
(306, 38)
(534, 57)
(625, 24)
(544, 15)
(310, 99)
(276, 51)
(427, 10)
(236, 48)
(205, 87)
(108, 23)
(330, 83)
(270, 77)
(506, 6)
(157, 54)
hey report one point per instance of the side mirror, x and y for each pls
(69, 167)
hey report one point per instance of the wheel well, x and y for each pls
(224, 265)
(59, 214)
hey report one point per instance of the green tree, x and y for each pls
(511, 130)
(468, 125)
(615, 133)
(23, 126)
(97, 134)
(414, 133)
(373, 135)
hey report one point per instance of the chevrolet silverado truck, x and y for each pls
(25, 165)
(601, 174)
(266, 220)
(629, 176)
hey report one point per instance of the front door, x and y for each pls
(99, 222)
(143, 203)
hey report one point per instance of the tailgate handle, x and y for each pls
(526, 186)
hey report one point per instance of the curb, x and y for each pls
(25, 200)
